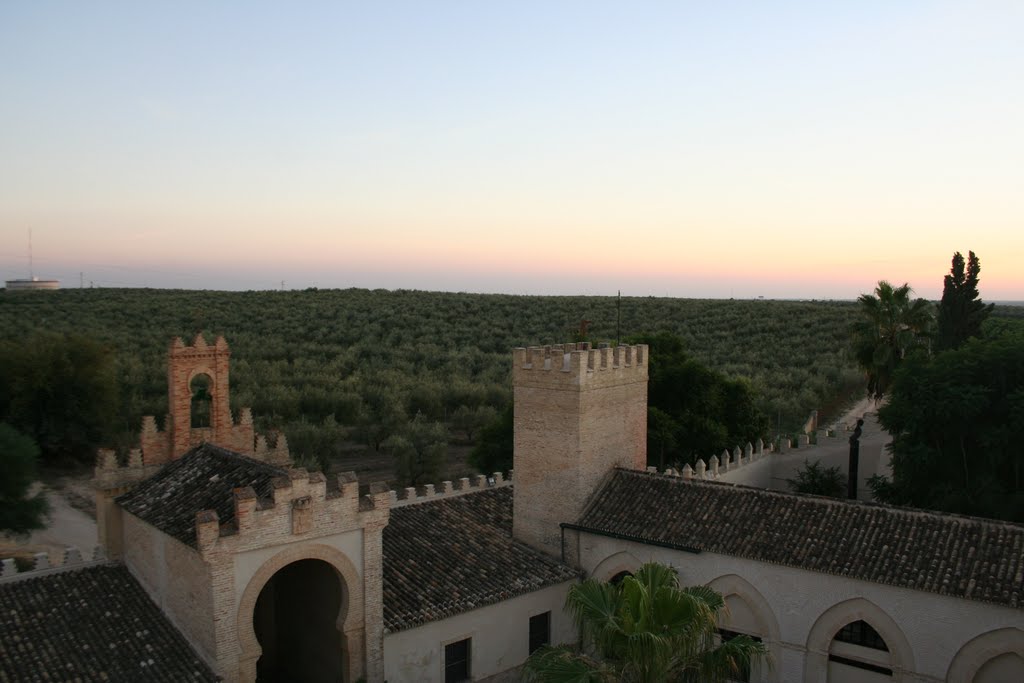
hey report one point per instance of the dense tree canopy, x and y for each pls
(494, 449)
(61, 391)
(420, 448)
(961, 312)
(372, 359)
(646, 629)
(890, 326)
(956, 422)
(693, 411)
(20, 512)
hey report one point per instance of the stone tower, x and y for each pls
(579, 412)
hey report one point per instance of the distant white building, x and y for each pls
(32, 283)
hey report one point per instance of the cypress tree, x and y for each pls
(961, 312)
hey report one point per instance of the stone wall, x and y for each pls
(771, 468)
(176, 578)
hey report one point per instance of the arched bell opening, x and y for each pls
(298, 623)
(201, 388)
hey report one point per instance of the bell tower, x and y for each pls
(199, 368)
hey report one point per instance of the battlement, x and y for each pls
(716, 466)
(199, 348)
(109, 473)
(239, 436)
(300, 507)
(765, 466)
(479, 482)
(579, 365)
(43, 564)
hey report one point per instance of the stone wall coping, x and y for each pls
(70, 559)
(412, 495)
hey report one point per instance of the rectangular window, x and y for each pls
(860, 665)
(540, 631)
(456, 661)
(743, 674)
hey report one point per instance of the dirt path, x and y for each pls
(68, 527)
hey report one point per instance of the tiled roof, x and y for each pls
(90, 624)
(966, 557)
(202, 479)
(451, 555)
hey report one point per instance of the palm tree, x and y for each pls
(890, 326)
(645, 629)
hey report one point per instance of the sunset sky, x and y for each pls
(695, 149)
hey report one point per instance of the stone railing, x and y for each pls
(42, 564)
(478, 482)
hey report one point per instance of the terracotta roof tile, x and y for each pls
(90, 624)
(202, 479)
(966, 557)
(451, 555)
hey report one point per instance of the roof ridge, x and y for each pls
(829, 500)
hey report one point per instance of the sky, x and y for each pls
(692, 149)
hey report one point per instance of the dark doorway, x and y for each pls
(296, 623)
(618, 578)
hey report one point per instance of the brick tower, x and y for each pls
(579, 412)
(184, 364)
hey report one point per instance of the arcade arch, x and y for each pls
(990, 658)
(824, 659)
(748, 612)
(616, 566)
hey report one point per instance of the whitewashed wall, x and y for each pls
(924, 631)
(500, 634)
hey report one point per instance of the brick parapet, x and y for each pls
(578, 366)
(110, 474)
(299, 509)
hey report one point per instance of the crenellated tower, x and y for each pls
(579, 412)
(199, 406)
(201, 369)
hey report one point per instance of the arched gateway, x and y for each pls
(300, 618)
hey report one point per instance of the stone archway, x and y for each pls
(296, 620)
(349, 621)
(619, 564)
(735, 588)
(990, 656)
(819, 641)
